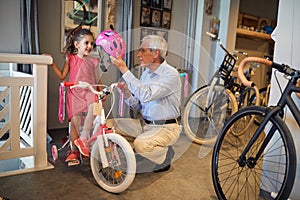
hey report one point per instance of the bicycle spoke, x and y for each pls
(198, 106)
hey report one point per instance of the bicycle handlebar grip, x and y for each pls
(243, 64)
(284, 68)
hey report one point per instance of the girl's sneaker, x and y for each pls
(72, 156)
(84, 150)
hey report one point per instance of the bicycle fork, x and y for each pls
(252, 161)
(213, 82)
(108, 151)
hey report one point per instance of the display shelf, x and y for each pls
(253, 34)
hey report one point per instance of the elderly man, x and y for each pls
(157, 94)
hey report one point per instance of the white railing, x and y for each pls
(23, 113)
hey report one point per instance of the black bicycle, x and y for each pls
(261, 163)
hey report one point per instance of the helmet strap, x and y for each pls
(102, 66)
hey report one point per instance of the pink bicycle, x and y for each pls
(112, 158)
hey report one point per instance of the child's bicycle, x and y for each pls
(260, 164)
(112, 159)
(210, 105)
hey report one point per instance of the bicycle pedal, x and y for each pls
(73, 163)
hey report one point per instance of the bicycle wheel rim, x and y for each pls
(273, 174)
(203, 125)
(117, 177)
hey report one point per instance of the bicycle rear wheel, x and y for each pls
(202, 123)
(244, 100)
(120, 173)
(270, 177)
(264, 100)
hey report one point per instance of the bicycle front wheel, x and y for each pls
(204, 116)
(270, 176)
(120, 173)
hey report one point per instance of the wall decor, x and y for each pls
(209, 6)
(156, 3)
(146, 2)
(156, 13)
(154, 31)
(166, 19)
(214, 26)
(156, 18)
(95, 15)
(167, 4)
(110, 10)
(145, 19)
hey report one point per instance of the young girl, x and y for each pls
(80, 67)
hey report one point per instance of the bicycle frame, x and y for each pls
(99, 132)
(223, 74)
(285, 100)
(100, 129)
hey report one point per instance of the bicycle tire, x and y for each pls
(245, 100)
(120, 173)
(264, 100)
(263, 95)
(272, 177)
(203, 125)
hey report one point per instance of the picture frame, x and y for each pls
(145, 17)
(156, 18)
(72, 15)
(167, 4)
(162, 33)
(160, 13)
(93, 12)
(156, 3)
(209, 6)
(214, 26)
(154, 31)
(100, 13)
(166, 19)
(145, 2)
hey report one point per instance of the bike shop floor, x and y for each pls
(188, 178)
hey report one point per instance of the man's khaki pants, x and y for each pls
(151, 141)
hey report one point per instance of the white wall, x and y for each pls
(287, 47)
(10, 30)
(208, 55)
(49, 18)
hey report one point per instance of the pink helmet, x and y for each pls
(112, 43)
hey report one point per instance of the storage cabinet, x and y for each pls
(254, 24)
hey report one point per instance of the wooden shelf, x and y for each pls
(253, 34)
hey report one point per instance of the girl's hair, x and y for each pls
(76, 35)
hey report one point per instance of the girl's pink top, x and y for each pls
(81, 69)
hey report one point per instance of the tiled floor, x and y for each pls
(188, 178)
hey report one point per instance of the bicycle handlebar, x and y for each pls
(214, 37)
(280, 67)
(82, 84)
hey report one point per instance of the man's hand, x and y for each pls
(119, 63)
